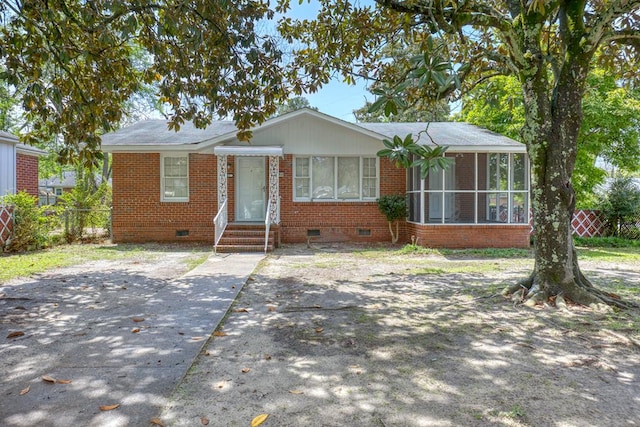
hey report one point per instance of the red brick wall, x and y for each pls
(139, 215)
(470, 236)
(27, 174)
(337, 221)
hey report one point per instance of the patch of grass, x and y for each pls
(30, 263)
(489, 253)
(192, 263)
(629, 254)
(412, 249)
(427, 271)
(606, 242)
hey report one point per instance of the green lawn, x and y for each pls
(16, 265)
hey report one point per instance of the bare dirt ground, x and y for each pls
(337, 336)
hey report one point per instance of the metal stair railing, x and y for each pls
(220, 223)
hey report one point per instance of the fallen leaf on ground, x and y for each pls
(259, 420)
(296, 391)
(24, 391)
(271, 308)
(219, 334)
(267, 357)
(196, 338)
(240, 310)
(318, 330)
(109, 407)
(207, 353)
(63, 381)
(204, 421)
(15, 334)
(156, 421)
(48, 379)
(138, 319)
(245, 370)
(135, 331)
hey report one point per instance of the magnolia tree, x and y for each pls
(549, 46)
(76, 64)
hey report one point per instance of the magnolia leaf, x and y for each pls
(219, 334)
(135, 331)
(48, 379)
(138, 319)
(64, 381)
(15, 334)
(157, 422)
(24, 391)
(319, 330)
(259, 420)
(296, 391)
(240, 310)
(109, 407)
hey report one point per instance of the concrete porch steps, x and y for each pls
(246, 237)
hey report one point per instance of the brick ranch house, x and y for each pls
(18, 166)
(310, 176)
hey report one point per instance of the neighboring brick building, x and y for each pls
(18, 166)
(315, 178)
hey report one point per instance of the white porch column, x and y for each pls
(274, 189)
(222, 179)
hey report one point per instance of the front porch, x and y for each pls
(251, 225)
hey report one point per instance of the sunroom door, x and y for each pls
(436, 196)
(250, 189)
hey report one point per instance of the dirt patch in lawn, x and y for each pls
(338, 336)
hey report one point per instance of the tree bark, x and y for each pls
(551, 135)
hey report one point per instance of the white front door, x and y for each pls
(250, 188)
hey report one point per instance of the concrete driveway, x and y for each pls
(108, 333)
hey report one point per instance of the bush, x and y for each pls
(30, 227)
(394, 208)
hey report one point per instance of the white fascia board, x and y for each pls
(486, 149)
(184, 148)
(234, 150)
(28, 150)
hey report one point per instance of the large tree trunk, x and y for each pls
(551, 134)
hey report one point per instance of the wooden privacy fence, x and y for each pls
(6, 224)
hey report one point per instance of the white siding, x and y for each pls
(7, 168)
(305, 135)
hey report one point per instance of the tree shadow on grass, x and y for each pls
(347, 344)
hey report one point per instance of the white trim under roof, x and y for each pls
(29, 150)
(235, 150)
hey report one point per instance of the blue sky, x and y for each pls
(336, 99)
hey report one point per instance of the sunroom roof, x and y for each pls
(443, 133)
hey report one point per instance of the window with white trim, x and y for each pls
(335, 178)
(174, 176)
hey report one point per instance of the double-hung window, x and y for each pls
(174, 178)
(336, 178)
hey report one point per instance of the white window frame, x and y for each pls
(163, 196)
(335, 179)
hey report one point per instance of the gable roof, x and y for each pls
(154, 135)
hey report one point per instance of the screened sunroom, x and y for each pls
(477, 188)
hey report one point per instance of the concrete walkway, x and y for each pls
(130, 351)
